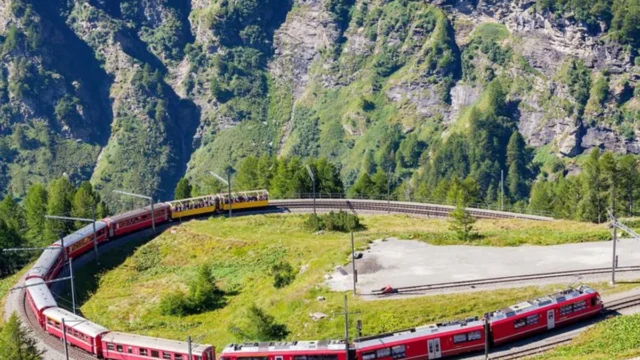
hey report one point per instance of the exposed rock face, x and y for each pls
(297, 43)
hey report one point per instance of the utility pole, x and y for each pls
(93, 221)
(389, 191)
(614, 262)
(73, 289)
(153, 213)
(486, 337)
(501, 190)
(227, 182)
(189, 346)
(64, 339)
(353, 263)
(346, 325)
(313, 182)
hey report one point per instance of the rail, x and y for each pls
(397, 207)
(419, 199)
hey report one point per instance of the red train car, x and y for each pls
(539, 315)
(39, 298)
(81, 332)
(425, 342)
(81, 241)
(296, 350)
(137, 219)
(48, 264)
(122, 346)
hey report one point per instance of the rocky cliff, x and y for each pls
(136, 94)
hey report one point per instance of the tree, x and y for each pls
(541, 198)
(462, 222)
(183, 189)
(264, 327)
(9, 261)
(35, 204)
(83, 205)
(13, 214)
(362, 186)
(328, 177)
(591, 206)
(610, 178)
(629, 183)
(380, 183)
(61, 194)
(15, 342)
(248, 177)
(204, 294)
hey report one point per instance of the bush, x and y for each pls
(340, 221)
(283, 274)
(264, 326)
(204, 295)
(147, 258)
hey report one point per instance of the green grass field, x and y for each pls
(125, 294)
(616, 338)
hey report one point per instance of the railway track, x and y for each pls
(397, 207)
(421, 289)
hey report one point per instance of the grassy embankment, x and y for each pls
(241, 251)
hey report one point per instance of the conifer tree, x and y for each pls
(461, 221)
(247, 177)
(591, 206)
(183, 189)
(35, 204)
(13, 214)
(59, 202)
(629, 183)
(15, 342)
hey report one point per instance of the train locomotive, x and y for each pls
(442, 340)
(91, 337)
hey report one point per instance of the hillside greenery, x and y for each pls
(255, 249)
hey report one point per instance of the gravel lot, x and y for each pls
(408, 263)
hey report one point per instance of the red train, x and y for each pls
(439, 340)
(92, 337)
(426, 342)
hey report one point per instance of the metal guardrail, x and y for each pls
(421, 200)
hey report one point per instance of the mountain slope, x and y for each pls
(135, 94)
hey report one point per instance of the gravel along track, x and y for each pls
(396, 207)
(425, 289)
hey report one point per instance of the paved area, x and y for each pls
(402, 263)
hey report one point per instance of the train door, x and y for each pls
(551, 319)
(433, 346)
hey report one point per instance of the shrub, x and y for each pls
(340, 221)
(175, 304)
(204, 295)
(264, 327)
(283, 274)
(147, 258)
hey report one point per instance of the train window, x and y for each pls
(314, 357)
(298, 357)
(119, 348)
(143, 352)
(129, 350)
(110, 346)
(519, 323)
(579, 306)
(398, 352)
(369, 355)
(383, 352)
(177, 357)
(49, 321)
(331, 357)
(474, 335)
(459, 338)
(532, 319)
(155, 354)
(565, 310)
(166, 355)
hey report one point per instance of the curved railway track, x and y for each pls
(396, 207)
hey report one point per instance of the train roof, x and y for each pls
(187, 200)
(251, 347)
(75, 322)
(252, 192)
(40, 294)
(135, 212)
(81, 234)
(45, 262)
(531, 305)
(421, 331)
(155, 343)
